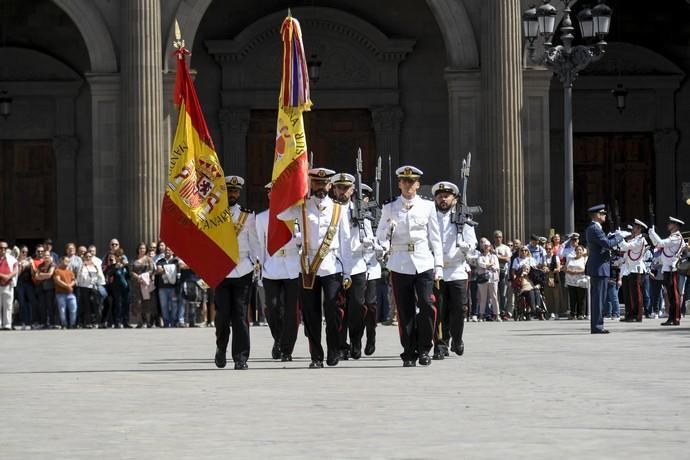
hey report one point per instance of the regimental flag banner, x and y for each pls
(195, 220)
(290, 184)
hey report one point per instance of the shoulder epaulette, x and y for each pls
(248, 211)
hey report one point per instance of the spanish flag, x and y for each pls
(195, 220)
(289, 177)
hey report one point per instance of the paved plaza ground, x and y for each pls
(522, 390)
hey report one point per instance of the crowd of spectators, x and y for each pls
(543, 279)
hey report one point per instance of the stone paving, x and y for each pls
(522, 390)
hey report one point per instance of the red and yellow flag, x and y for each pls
(290, 162)
(195, 220)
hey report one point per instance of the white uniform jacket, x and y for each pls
(284, 264)
(319, 212)
(671, 249)
(247, 243)
(415, 244)
(456, 246)
(358, 249)
(372, 247)
(633, 255)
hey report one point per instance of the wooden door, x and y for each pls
(615, 169)
(333, 136)
(27, 184)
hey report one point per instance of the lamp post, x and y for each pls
(567, 61)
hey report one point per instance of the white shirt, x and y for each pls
(372, 245)
(457, 246)
(319, 212)
(359, 249)
(576, 279)
(488, 263)
(416, 240)
(12, 263)
(671, 249)
(247, 243)
(633, 256)
(284, 264)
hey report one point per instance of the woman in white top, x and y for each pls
(577, 283)
(487, 279)
(90, 290)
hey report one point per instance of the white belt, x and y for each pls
(407, 247)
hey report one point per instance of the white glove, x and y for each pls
(464, 245)
(260, 282)
(391, 226)
(368, 243)
(438, 273)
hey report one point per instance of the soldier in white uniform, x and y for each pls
(325, 230)
(671, 249)
(232, 294)
(280, 279)
(632, 270)
(451, 296)
(410, 224)
(374, 251)
(343, 187)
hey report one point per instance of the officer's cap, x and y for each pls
(601, 208)
(234, 182)
(534, 237)
(629, 227)
(366, 190)
(268, 186)
(574, 236)
(675, 220)
(343, 179)
(542, 239)
(444, 186)
(321, 174)
(408, 172)
(640, 223)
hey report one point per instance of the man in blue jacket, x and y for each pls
(599, 248)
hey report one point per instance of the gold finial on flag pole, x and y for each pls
(178, 42)
(289, 13)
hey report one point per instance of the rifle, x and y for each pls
(311, 160)
(360, 212)
(375, 205)
(390, 178)
(463, 213)
(377, 180)
(652, 217)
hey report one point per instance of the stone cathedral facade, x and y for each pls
(84, 147)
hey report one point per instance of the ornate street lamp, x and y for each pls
(314, 68)
(620, 93)
(567, 61)
(5, 104)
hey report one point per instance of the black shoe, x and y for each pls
(356, 353)
(286, 358)
(424, 359)
(438, 356)
(241, 365)
(344, 355)
(220, 359)
(671, 323)
(409, 363)
(445, 352)
(600, 331)
(459, 349)
(333, 359)
(370, 348)
(275, 352)
(316, 364)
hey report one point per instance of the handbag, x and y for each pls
(483, 278)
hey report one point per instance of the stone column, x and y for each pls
(464, 103)
(144, 167)
(103, 171)
(387, 120)
(234, 122)
(667, 192)
(502, 102)
(65, 148)
(537, 156)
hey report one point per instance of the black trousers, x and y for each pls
(371, 315)
(356, 310)
(282, 305)
(326, 288)
(671, 285)
(232, 305)
(577, 297)
(416, 330)
(632, 296)
(451, 299)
